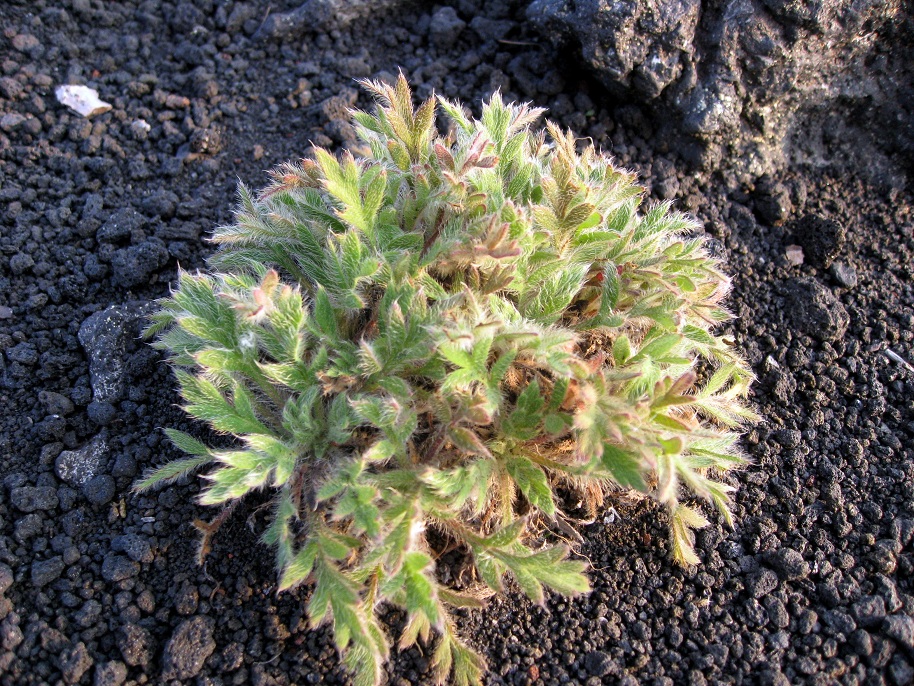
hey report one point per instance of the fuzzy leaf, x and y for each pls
(626, 468)
(533, 483)
(524, 420)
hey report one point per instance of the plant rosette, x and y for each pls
(435, 348)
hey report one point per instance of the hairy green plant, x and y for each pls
(442, 347)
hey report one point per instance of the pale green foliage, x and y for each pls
(435, 338)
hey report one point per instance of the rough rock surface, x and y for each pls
(320, 15)
(741, 75)
(188, 648)
(104, 336)
(79, 467)
(813, 310)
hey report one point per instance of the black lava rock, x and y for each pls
(900, 628)
(600, 664)
(136, 547)
(812, 309)
(761, 583)
(121, 226)
(100, 490)
(187, 649)
(101, 413)
(135, 644)
(820, 238)
(30, 499)
(445, 27)
(117, 568)
(869, 611)
(113, 673)
(789, 564)
(134, 266)
(74, 662)
(46, 571)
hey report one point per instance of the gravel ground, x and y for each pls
(101, 587)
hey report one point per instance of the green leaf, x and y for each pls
(170, 473)
(556, 424)
(625, 468)
(533, 483)
(452, 658)
(682, 521)
(659, 348)
(523, 422)
(622, 350)
(187, 443)
(299, 568)
(323, 315)
(468, 441)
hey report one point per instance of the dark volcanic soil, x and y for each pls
(98, 586)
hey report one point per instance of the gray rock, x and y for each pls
(632, 46)
(27, 527)
(887, 589)
(761, 583)
(789, 438)
(124, 465)
(100, 489)
(861, 642)
(869, 611)
(242, 13)
(6, 578)
(90, 611)
(599, 663)
(187, 600)
(789, 564)
(491, 29)
(56, 403)
(74, 662)
(30, 499)
(777, 612)
(136, 645)
(772, 202)
(445, 27)
(134, 266)
(101, 413)
(117, 568)
(901, 671)
(46, 571)
(23, 353)
(10, 88)
(121, 226)
(104, 337)
(771, 62)
(844, 274)
(185, 17)
(813, 310)
(162, 203)
(187, 649)
(319, 15)
(10, 122)
(839, 622)
(10, 633)
(78, 467)
(112, 673)
(900, 628)
(903, 531)
(136, 547)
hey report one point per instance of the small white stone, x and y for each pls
(795, 255)
(82, 99)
